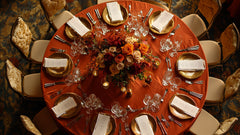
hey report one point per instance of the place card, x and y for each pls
(114, 12)
(101, 125)
(52, 62)
(144, 125)
(162, 20)
(64, 106)
(186, 107)
(191, 65)
(78, 26)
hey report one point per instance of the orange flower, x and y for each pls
(113, 69)
(127, 49)
(143, 48)
(119, 58)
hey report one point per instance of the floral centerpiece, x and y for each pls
(122, 59)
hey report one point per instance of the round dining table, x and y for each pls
(81, 122)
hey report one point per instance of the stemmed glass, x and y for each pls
(175, 82)
(152, 104)
(168, 74)
(119, 111)
(165, 45)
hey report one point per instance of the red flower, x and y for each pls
(119, 58)
(135, 69)
(108, 58)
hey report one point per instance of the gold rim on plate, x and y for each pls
(74, 111)
(111, 125)
(134, 127)
(62, 71)
(164, 31)
(71, 34)
(106, 17)
(189, 74)
(177, 112)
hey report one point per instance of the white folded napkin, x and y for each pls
(162, 20)
(51, 62)
(101, 125)
(78, 26)
(191, 65)
(144, 125)
(64, 106)
(114, 11)
(186, 107)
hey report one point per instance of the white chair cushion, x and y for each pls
(38, 50)
(205, 124)
(215, 90)
(22, 36)
(195, 23)
(29, 125)
(14, 76)
(32, 85)
(61, 19)
(212, 51)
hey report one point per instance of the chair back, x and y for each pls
(209, 9)
(21, 36)
(14, 76)
(44, 122)
(52, 7)
(161, 3)
(28, 124)
(230, 41)
(232, 84)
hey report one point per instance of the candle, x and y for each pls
(106, 85)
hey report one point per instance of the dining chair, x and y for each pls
(28, 86)
(218, 52)
(41, 124)
(215, 91)
(56, 13)
(206, 124)
(232, 84)
(201, 21)
(21, 37)
(165, 4)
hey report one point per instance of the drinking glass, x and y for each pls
(175, 82)
(165, 45)
(167, 78)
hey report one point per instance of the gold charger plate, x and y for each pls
(189, 74)
(74, 111)
(177, 112)
(71, 34)
(134, 127)
(111, 125)
(106, 17)
(60, 71)
(164, 31)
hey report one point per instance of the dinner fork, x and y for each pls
(165, 121)
(194, 82)
(57, 37)
(90, 18)
(175, 121)
(98, 14)
(129, 7)
(174, 30)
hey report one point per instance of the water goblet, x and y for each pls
(175, 82)
(165, 45)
